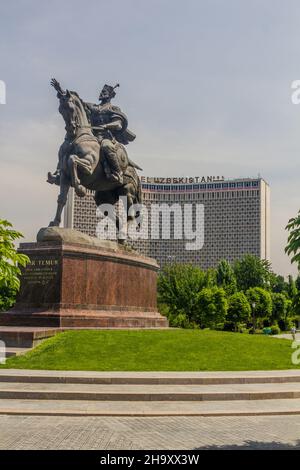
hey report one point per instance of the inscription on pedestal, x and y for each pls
(41, 271)
(40, 280)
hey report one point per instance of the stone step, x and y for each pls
(10, 352)
(149, 378)
(146, 393)
(25, 337)
(150, 408)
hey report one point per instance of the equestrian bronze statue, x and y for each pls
(93, 155)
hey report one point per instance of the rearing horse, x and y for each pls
(82, 165)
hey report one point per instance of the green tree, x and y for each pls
(211, 307)
(297, 283)
(278, 283)
(239, 309)
(251, 271)
(179, 285)
(279, 307)
(293, 242)
(261, 304)
(294, 309)
(10, 262)
(7, 298)
(225, 277)
(291, 289)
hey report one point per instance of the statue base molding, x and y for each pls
(78, 281)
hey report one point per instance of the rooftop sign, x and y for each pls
(181, 180)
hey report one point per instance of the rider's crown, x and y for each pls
(110, 89)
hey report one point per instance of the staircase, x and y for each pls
(149, 393)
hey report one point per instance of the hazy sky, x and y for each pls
(206, 85)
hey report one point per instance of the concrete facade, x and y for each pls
(236, 218)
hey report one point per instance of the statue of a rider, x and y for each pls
(109, 125)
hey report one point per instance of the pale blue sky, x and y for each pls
(206, 85)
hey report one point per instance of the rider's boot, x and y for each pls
(116, 171)
(53, 178)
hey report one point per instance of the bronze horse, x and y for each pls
(83, 166)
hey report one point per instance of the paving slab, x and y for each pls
(120, 392)
(176, 378)
(149, 432)
(157, 408)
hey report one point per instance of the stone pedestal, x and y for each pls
(78, 281)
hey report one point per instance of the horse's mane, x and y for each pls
(77, 96)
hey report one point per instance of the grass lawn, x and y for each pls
(160, 350)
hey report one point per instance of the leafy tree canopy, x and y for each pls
(225, 277)
(251, 271)
(239, 309)
(293, 243)
(10, 262)
(260, 301)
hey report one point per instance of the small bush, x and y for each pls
(179, 321)
(275, 330)
(243, 329)
(285, 324)
(229, 326)
(255, 332)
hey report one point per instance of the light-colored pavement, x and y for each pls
(66, 393)
(124, 392)
(149, 408)
(287, 336)
(190, 377)
(108, 433)
(124, 423)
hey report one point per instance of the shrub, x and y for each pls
(177, 319)
(239, 309)
(285, 324)
(275, 330)
(263, 304)
(279, 306)
(211, 307)
(10, 262)
(225, 277)
(251, 271)
(179, 286)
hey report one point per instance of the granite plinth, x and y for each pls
(79, 281)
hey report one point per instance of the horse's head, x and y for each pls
(72, 110)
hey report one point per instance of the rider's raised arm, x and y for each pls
(58, 88)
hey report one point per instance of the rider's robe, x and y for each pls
(98, 116)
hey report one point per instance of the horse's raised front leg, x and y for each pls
(61, 200)
(75, 163)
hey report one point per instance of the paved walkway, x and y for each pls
(287, 336)
(27, 423)
(152, 377)
(101, 433)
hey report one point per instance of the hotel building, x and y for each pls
(236, 218)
